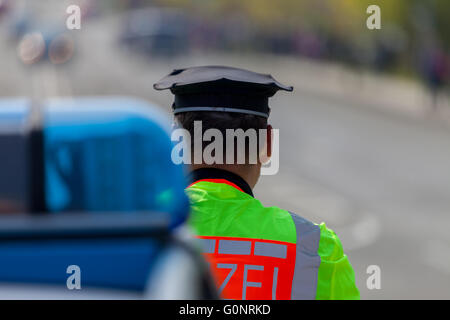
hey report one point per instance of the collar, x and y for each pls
(220, 176)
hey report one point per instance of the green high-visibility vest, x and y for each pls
(259, 252)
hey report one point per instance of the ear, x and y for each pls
(265, 152)
(269, 141)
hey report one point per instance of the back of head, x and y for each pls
(239, 132)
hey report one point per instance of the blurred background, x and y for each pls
(365, 136)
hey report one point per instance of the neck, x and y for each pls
(249, 173)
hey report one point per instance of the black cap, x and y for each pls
(218, 88)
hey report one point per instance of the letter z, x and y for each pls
(233, 268)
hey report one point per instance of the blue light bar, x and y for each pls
(110, 154)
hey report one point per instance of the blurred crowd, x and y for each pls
(414, 50)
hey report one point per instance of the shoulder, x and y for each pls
(330, 246)
(318, 239)
(327, 244)
(336, 277)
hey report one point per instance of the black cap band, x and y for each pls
(220, 109)
(222, 102)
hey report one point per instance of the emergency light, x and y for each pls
(99, 154)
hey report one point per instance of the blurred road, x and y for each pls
(380, 180)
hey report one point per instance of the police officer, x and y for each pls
(254, 252)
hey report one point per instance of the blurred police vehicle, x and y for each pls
(91, 205)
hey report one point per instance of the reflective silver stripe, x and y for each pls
(274, 283)
(235, 247)
(270, 250)
(307, 260)
(208, 245)
(248, 283)
(220, 109)
(233, 267)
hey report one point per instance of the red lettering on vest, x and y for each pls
(242, 271)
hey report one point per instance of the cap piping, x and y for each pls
(220, 109)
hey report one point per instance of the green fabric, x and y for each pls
(220, 210)
(336, 278)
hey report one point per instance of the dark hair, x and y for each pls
(221, 121)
